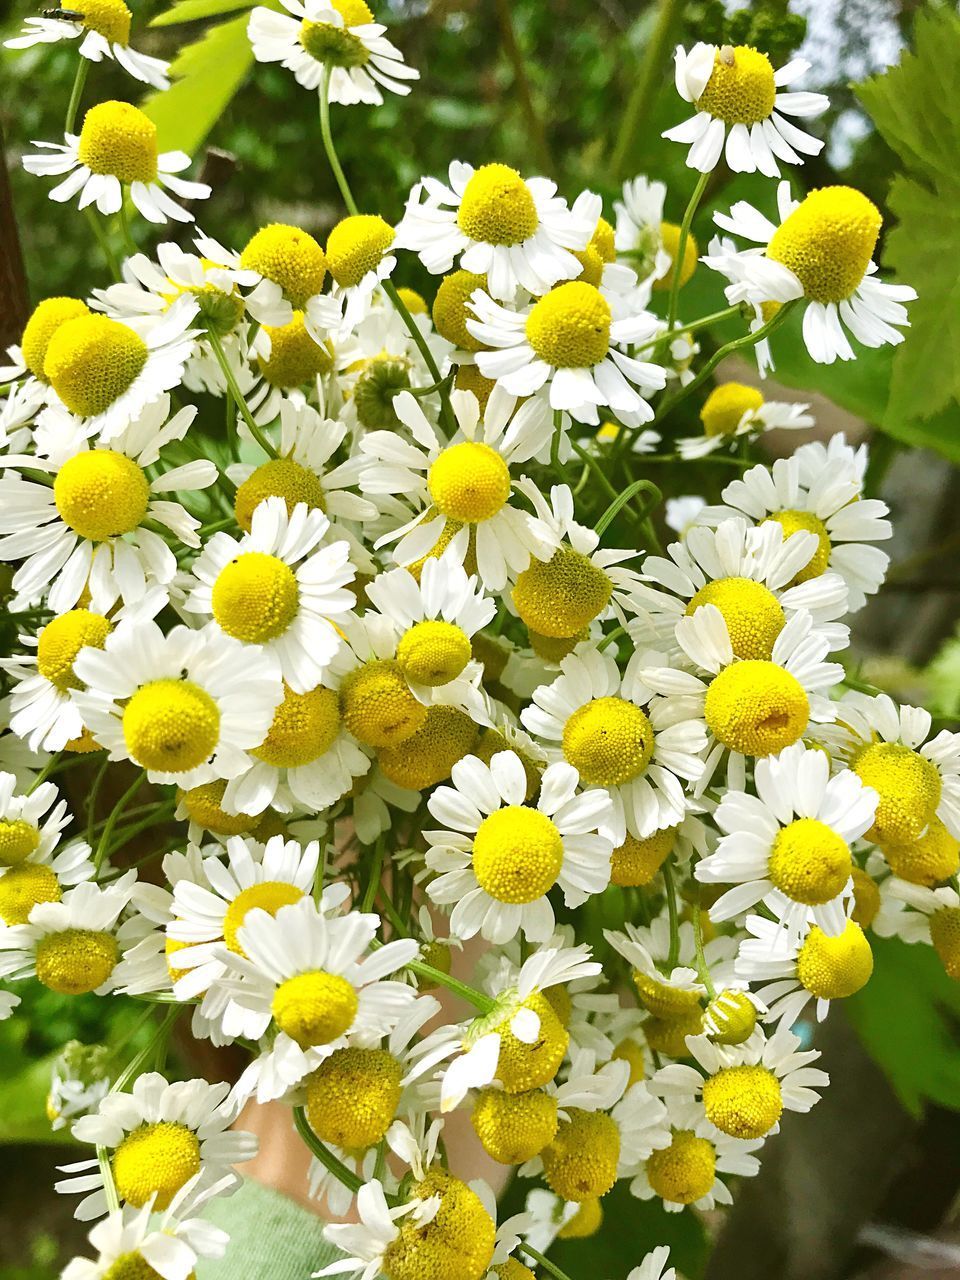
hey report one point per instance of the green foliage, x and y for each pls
(192, 10)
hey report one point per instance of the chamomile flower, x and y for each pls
(115, 153)
(620, 742)
(41, 876)
(654, 1266)
(934, 915)
(517, 232)
(104, 26)
(336, 38)
(733, 411)
(31, 821)
(158, 1137)
(570, 347)
(498, 858)
(821, 252)
(682, 514)
(184, 706)
(737, 96)
(463, 488)
(642, 236)
(360, 259)
(673, 993)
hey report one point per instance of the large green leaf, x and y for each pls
(191, 10)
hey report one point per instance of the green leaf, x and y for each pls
(23, 1099)
(191, 10)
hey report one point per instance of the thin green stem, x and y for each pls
(674, 915)
(595, 468)
(232, 386)
(113, 266)
(521, 81)
(92, 798)
(76, 93)
(477, 998)
(129, 243)
(328, 146)
(391, 911)
(703, 969)
(631, 491)
(611, 636)
(44, 774)
(555, 441)
(324, 1154)
(649, 77)
(543, 1261)
(376, 870)
(676, 269)
(103, 844)
(446, 409)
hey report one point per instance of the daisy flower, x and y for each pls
(365, 1244)
(339, 37)
(793, 837)
(640, 233)
(934, 915)
(733, 411)
(28, 832)
(569, 346)
(498, 858)
(821, 252)
(739, 101)
(745, 1088)
(87, 531)
(105, 28)
(185, 706)
(34, 867)
(654, 1266)
(157, 1138)
(670, 993)
(359, 258)
(115, 153)
(462, 488)
(517, 232)
(634, 749)
(682, 514)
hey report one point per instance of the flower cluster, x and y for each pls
(375, 678)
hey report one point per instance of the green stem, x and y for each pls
(76, 93)
(328, 146)
(128, 240)
(92, 798)
(638, 486)
(477, 998)
(324, 1154)
(703, 969)
(649, 77)
(44, 774)
(555, 441)
(595, 468)
(608, 639)
(113, 266)
(232, 386)
(391, 911)
(376, 870)
(535, 127)
(543, 1261)
(676, 269)
(446, 409)
(103, 844)
(668, 879)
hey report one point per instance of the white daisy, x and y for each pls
(681, 514)
(105, 28)
(638, 235)
(42, 875)
(670, 991)
(733, 411)
(929, 915)
(654, 1266)
(364, 1244)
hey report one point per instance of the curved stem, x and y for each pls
(230, 378)
(446, 409)
(100, 235)
(44, 773)
(477, 998)
(328, 146)
(103, 844)
(631, 491)
(668, 879)
(76, 93)
(688, 213)
(323, 1153)
(543, 1261)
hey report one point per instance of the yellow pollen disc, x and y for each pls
(514, 1127)
(118, 139)
(828, 241)
(522, 1066)
(290, 258)
(134, 1266)
(469, 378)
(111, 18)
(730, 1018)
(45, 320)
(603, 241)
(517, 854)
(171, 726)
(170, 948)
(294, 357)
(433, 653)
(586, 1222)
(512, 1269)
(269, 896)
(352, 1097)
(670, 243)
(555, 648)
(945, 937)
(76, 961)
(663, 999)
(62, 639)
(631, 1051)
(457, 1243)
(609, 741)
(636, 862)
(415, 303)
(91, 361)
(744, 1102)
(255, 597)
(84, 744)
(569, 327)
(725, 406)
(377, 705)
(559, 1000)
(356, 246)
(305, 726)
(930, 860)
(683, 1172)
(204, 805)
(795, 521)
(756, 708)
(315, 1008)
(337, 45)
(751, 611)
(668, 1036)
(497, 207)
(22, 888)
(560, 596)
(450, 311)
(469, 482)
(809, 862)
(18, 839)
(490, 742)
(909, 788)
(591, 265)
(834, 968)
(866, 898)
(155, 1159)
(741, 89)
(581, 1162)
(278, 478)
(374, 390)
(428, 755)
(437, 956)
(101, 494)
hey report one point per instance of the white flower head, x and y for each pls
(103, 28)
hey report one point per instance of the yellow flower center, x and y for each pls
(76, 961)
(517, 854)
(450, 310)
(18, 839)
(670, 243)
(294, 357)
(427, 757)
(581, 1162)
(377, 705)
(155, 1159)
(795, 521)
(756, 708)
(514, 1127)
(111, 18)
(751, 611)
(569, 327)
(101, 494)
(280, 478)
(84, 744)
(725, 406)
(631, 1052)
(555, 648)
(118, 139)
(809, 862)
(909, 788)
(497, 207)
(469, 482)
(337, 45)
(204, 806)
(289, 257)
(433, 653)
(315, 1008)
(414, 302)
(269, 896)
(305, 726)
(586, 1222)
(866, 898)
(469, 378)
(134, 1266)
(683, 1172)
(62, 639)
(945, 937)
(560, 596)
(171, 726)
(523, 1066)
(609, 741)
(22, 888)
(744, 1102)
(636, 862)
(662, 999)
(45, 320)
(930, 860)
(741, 89)
(255, 597)
(375, 388)
(91, 361)
(352, 1097)
(668, 1036)
(834, 968)
(356, 246)
(591, 265)
(490, 742)
(730, 1018)
(828, 241)
(458, 1241)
